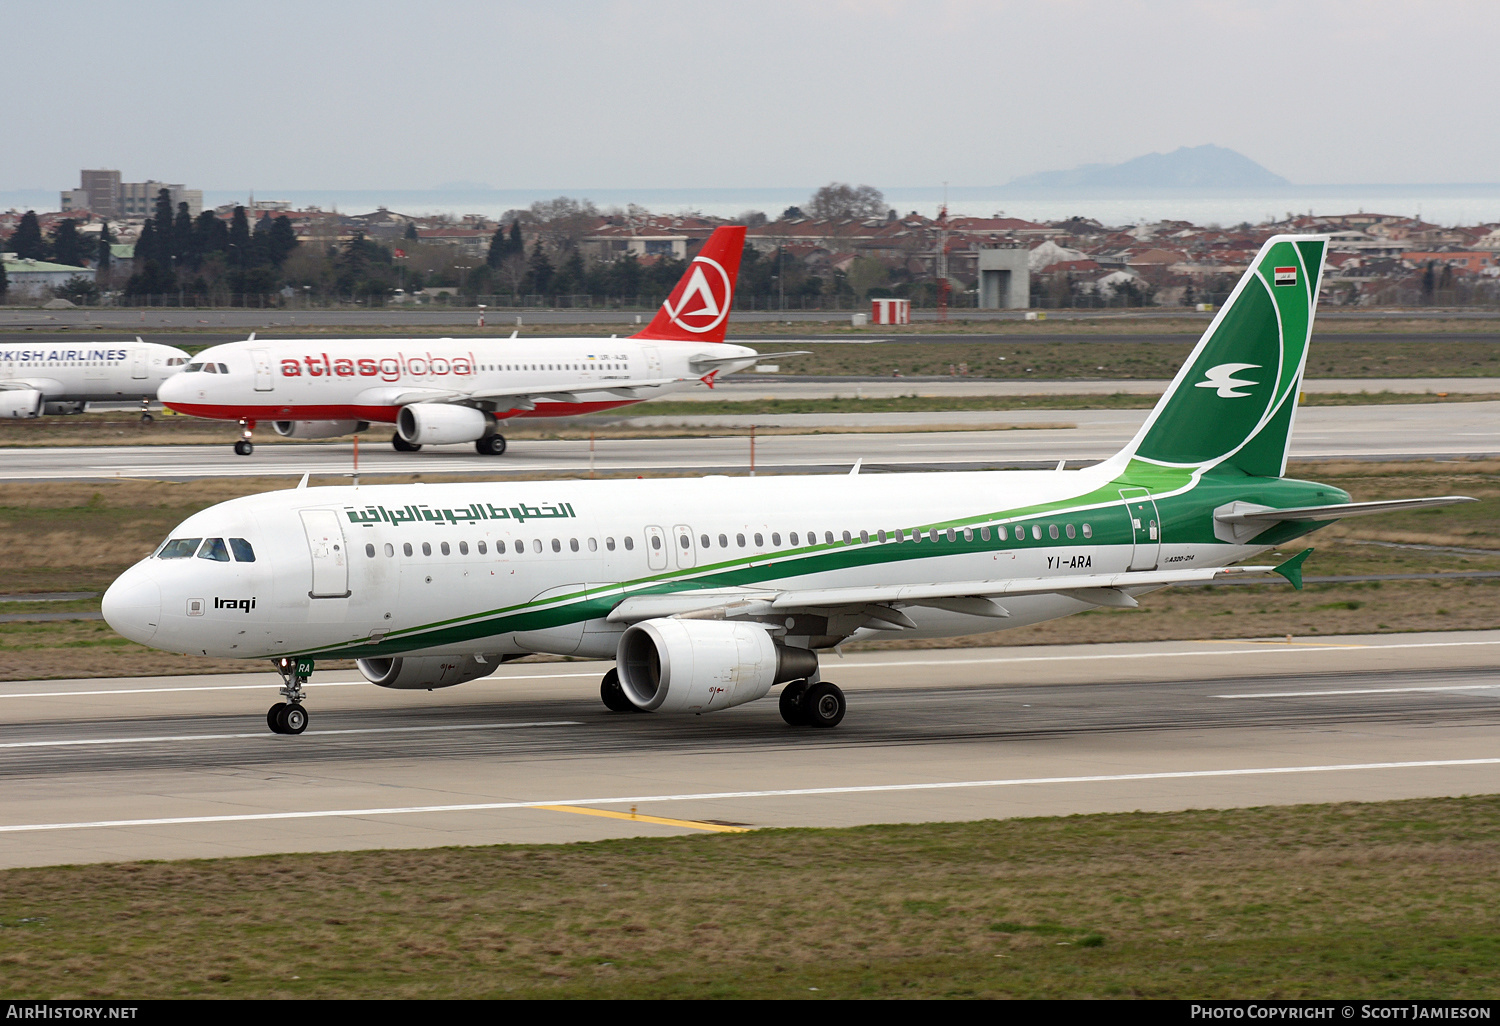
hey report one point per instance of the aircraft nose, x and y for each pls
(132, 605)
(174, 388)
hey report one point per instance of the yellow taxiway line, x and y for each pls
(691, 824)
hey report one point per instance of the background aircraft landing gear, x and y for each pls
(490, 445)
(146, 417)
(244, 447)
(290, 717)
(614, 695)
(402, 445)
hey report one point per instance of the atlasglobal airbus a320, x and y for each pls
(446, 391)
(710, 592)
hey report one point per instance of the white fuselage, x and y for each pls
(371, 379)
(501, 568)
(87, 371)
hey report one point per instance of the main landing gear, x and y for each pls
(244, 447)
(490, 445)
(812, 705)
(146, 417)
(290, 717)
(402, 445)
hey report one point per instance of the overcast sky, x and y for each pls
(757, 93)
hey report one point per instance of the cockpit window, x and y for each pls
(210, 368)
(214, 549)
(243, 553)
(192, 368)
(176, 361)
(179, 548)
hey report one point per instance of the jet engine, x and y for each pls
(440, 424)
(409, 673)
(319, 428)
(20, 404)
(698, 666)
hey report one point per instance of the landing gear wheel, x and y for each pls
(490, 445)
(291, 719)
(402, 445)
(823, 705)
(273, 717)
(614, 695)
(146, 418)
(244, 447)
(791, 705)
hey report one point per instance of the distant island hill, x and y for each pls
(1189, 167)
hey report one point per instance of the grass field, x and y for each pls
(1381, 900)
(78, 537)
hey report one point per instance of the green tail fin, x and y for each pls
(1232, 404)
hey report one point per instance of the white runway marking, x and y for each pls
(721, 795)
(264, 734)
(1364, 691)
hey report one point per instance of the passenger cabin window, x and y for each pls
(1088, 531)
(214, 549)
(243, 553)
(179, 548)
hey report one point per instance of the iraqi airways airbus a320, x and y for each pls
(708, 593)
(447, 391)
(60, 379)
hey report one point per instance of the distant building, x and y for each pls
(33, 279)
(102, 193)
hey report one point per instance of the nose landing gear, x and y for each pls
(244, 447)
(290, 717)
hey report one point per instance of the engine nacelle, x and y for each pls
(319, 428)
(441, 424)
(698, 666)
(424, 672)
(20, 404)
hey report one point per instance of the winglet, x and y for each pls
(1292, 568)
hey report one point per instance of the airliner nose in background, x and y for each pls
(37, 379)
(445, 391)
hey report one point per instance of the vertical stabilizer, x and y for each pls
(698, 308)
(1232, 405)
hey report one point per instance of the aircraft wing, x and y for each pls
(48, 386)
(516, 398)
(880, 603)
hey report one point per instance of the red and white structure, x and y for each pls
(890, 311)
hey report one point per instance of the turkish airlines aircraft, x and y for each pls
(61, 379)
(459, 390)
(709, 592)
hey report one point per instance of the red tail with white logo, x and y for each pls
(698, 308)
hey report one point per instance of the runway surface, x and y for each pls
(109, 769)
(1357, 432)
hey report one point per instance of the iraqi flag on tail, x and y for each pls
(698, 308)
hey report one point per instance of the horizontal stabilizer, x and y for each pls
(708, 362)
(1248, 514)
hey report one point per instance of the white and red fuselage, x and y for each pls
(455, 389)
(371, 379)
